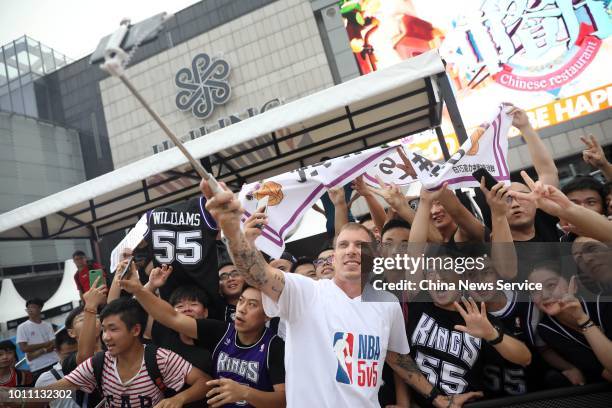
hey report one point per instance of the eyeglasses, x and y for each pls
(228, 275)
(322, 261)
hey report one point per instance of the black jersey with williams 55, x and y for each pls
(183, 235)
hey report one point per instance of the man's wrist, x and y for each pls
(491, 335)
(90, 308)
(245, 392)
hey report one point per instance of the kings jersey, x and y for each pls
(183, 235)
(247, 365)
(450, 359)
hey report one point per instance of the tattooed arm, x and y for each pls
(226, 210)
(404, 366)
(256, 271)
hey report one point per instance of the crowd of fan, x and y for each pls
(228, 348)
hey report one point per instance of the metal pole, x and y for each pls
(195, 163)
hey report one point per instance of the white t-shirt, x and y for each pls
(37, 333)
(47, 378)
(138, 391)
(335, 346)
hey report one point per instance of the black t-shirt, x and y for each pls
(196, 354)
(501, 377)
(184, 235)
(210, 333)
(449, 359)
(572, 345)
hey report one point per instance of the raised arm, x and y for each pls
(540, 156)
(377, 211)
(159, 309)
(470, 229)
(399, 203)
(226, 210)
(478, 325)
(503, 252)
(595, 156)
(337, 197)
(551, 200)
(88, 339)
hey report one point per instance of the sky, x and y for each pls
(74, 27)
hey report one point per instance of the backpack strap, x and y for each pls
(97, 362)
(150, 355)
(54, 373)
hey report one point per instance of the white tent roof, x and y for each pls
(12, 305)
(67, 291)
(404, 99)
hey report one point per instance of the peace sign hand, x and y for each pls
(548, 198)
(570, 305)
(593, 154)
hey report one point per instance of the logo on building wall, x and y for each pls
(204, 86)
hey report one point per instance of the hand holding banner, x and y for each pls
(291, 194)
(487, 147)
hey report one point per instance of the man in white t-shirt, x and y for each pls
(36, 339)
(335, 343)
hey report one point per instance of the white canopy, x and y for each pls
(12, 305)
(404, 99)
(67, 291)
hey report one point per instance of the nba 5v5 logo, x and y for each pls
(203, 86)
(343, 347)
(357, 354)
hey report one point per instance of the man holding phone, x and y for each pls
(87, 272)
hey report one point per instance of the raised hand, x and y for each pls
(476, 321)
(131, 283)
(159, 276)
(593, 154)
(406, 165)
(548, 198)
(497, 197)
(253, 225)
(96, 295)
(429, 195)
(336, 195)
(361, 187)
(570, 305)
(520, 120)
(223, 206)
(391, 193)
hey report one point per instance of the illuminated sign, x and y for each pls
(533, 53)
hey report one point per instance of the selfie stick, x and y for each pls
(115, 61)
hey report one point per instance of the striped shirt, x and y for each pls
(140, 391)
